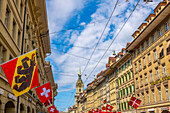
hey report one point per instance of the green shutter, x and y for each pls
(129, 75)
(126, 77)
(119, 107)
(128, 104)
(121, 93)
(130, 89)
(117, 82)
(122, 106)
(125, 105)
(120, 81)
(123, 79)
(127, 90)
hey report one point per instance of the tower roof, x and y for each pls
(79, 81)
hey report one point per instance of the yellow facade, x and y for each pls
(151, 63)
(11, 30)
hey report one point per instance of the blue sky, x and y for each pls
(76, 24)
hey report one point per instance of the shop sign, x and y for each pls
(151, 109)
(159, 81)
(30, 99)
(164, 109)
(11, 96)
(1, 91)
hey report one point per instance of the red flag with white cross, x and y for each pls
(109, 107)
(134, 102)
(52, 109)
(93, 111)
(44, 92)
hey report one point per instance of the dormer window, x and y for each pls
(159, 32)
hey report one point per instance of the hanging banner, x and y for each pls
(22, 73)
(44, 93)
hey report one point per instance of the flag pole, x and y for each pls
(22, 46)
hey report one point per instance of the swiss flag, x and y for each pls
(52, 109)
(44, 92)
(134, 102)
(109, 107)
(56, 111)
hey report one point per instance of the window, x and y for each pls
(166, 26)
(119, 107)
(164, 70)
(157, 73)
(143, 48)
(151, 76)
(144, 61)
(153, 38)
(21, 8)
(161, 53)
(123, 79)
(141, 81)
(168, 47)
(137, 83)
(146, 78)
(153, 94)
(135, 68)
(149, 58)
(125, 65)
(159, 32)
(0, 6)
(79, 89)
(19, 38)
(123, 92)
(147, 96)
(167, 93)
(13, 29)
(128, 62)
(148, 44)
(155, 54)
(130, 89)
(140, 66)
(160, 96)
(2, 54)
(126, 77)
(139, 50)
(122, 106)
(134, 53)
(118, 94)
(143, 98)
(7, 17)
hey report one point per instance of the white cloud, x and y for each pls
(90, 35)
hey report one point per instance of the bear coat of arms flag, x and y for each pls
(22, 73)
(44, 92)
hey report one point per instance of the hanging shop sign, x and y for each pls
(11, 96)
(159, 81)
(1, 91)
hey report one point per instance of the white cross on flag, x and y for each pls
(52, 109)
(44, 92)
(134, 102)
(109, 107)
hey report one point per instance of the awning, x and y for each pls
(143, 112)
